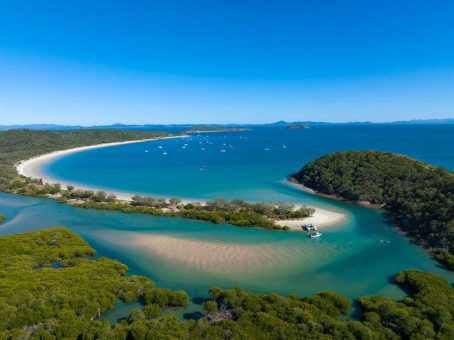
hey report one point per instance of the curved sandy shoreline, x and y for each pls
(32, 168)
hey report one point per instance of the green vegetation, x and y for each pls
(50, 288)
(2, 218)
(236, 212)
(419, 197)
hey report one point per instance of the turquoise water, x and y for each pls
(357, 258)
(254, 165)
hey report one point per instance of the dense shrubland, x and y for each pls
(49, 285)
(235, 212)
(419, 197)
(52, 288)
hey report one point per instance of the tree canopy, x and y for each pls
(419, 196)
(52, 288)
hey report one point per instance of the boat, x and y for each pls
(159, 147)
(146, 151)
(267, 149)
(315, 235)
(222, 150)
(164, 153)
(309, 227)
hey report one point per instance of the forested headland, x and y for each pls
(419, 197)
(52, 288)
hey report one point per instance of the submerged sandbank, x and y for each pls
(32, 168)
(228, 259)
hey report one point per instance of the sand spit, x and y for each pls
(33, 168)
(322, 218)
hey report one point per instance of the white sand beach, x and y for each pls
(32, 168)
(322, 218)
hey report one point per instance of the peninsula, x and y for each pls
(419, 197)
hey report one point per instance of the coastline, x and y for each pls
(30, 168)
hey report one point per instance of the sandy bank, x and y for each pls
(322, 218)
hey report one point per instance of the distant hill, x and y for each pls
(401, 122)
(213, 127)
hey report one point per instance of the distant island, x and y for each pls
(183, 127)
(214, 128)
(297, 126)
(419, 197)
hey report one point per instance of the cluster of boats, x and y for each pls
(313, 229)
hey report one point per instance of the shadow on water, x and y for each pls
(198, 300)
(193, 316)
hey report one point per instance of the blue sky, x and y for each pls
(100, 62)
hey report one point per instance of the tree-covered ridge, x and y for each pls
(2, 218)
(17, 145)
(49, 286)
(420, 197)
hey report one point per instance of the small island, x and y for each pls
(419, 197)
(2, 218)
(297, 126)
(214, 128)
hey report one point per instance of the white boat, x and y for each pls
(164, 153)
(222, 150)
(316, 235)
(146, 151)
(159, 147)
(267, 149)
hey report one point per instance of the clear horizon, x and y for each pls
(227, 62)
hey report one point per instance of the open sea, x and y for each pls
(358, 257)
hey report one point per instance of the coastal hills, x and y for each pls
(183, 127)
